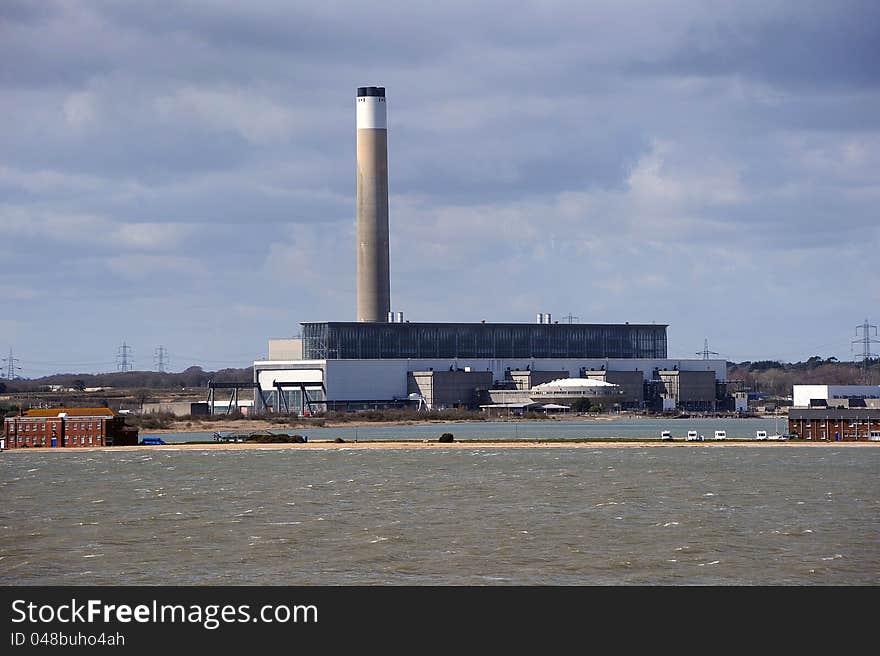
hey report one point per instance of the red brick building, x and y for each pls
(835, 424)
(67, 427)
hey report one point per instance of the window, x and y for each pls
(74, 439)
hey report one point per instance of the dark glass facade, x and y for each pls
(384, 341)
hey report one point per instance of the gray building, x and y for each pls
(450, 389)
(177, 408)
(526, 379)
(349, 340)
(688, 390)
(631, 383)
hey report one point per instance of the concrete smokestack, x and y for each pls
(373, 278)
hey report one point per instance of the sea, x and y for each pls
(720, 514)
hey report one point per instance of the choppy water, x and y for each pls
(481, 516)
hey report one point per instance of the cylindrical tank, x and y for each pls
(373, 277)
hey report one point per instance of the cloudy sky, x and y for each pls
(182, 173)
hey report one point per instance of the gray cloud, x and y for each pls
(187, 168)
(819, 46)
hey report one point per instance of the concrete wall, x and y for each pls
(525, 380)
(177, 408)
(509, 396)
(449, 388)
(692, 390)
(631, 382)
(286, 349)
(801, 394)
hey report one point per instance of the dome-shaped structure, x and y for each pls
(568, 390)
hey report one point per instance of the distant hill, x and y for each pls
(191, 377)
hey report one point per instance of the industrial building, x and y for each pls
(357, 383)
(493, 341)
(687, 390)
(454, 388)
(67, 427)
(176, 408)
(380, 360)
(806, 396)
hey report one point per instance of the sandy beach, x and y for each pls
(251, 425)
(463, 444)
(254, 425)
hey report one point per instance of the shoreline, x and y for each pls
(245, 425)
(463, 444)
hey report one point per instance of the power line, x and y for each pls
(865, 341)
(706, 352)
(11, 366)
(160, 359)
(123, 357)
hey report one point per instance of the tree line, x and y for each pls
(190, 377)
(777, 378)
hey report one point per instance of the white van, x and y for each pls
(692, 436)
(760, 435)
(720, 435)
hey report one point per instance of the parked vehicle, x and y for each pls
(692, 436)
(152, 441)
(720, 435)
(761, 435)
(666, 436)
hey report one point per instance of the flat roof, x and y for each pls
(834, 413)
(482, 323)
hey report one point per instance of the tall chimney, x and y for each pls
(373, 279)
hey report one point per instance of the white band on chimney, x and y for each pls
(371, 113)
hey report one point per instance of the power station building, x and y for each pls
(381, 360)
(350, 365)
